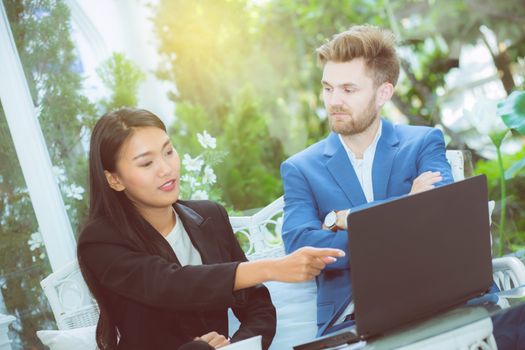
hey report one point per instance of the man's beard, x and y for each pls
(356, 124)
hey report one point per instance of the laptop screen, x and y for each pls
(419, 255)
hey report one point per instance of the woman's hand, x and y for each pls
(214, 339)
(303, 264)
(425, 181)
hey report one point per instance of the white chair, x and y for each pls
(69, 298)
(508, 272)
(262, 230)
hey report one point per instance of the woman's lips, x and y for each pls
(168, 186)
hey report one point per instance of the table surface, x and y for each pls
(449, 321)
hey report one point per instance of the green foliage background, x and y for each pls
(269, 48)
(515, 190)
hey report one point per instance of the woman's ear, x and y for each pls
(114, 181)
(384, 93)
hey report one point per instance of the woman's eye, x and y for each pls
(146, 164)
(170, 152)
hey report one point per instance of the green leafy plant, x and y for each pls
(512, 112)
(250, 177)
(122, 77)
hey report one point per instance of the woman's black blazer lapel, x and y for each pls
(200, 228)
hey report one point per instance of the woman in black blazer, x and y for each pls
(157, 295)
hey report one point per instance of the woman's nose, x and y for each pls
(164, 168)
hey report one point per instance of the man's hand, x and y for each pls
(341, 219)
(214, 339)
(425, 181)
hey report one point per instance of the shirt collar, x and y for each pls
(369, 151)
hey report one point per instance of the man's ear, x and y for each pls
(114, 181)
(384, 93)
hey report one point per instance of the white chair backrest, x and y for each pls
(262, 230)
(69, 297)
(457, 164)
(508, 272)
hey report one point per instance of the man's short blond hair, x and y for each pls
(375, 45)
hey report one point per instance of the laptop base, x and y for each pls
(334, 339)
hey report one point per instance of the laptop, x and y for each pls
(414, 257)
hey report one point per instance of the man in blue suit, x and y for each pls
(364, 160)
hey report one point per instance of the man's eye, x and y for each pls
(349, 91)
(327, 89)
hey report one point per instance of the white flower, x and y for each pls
(206, 140)
(75, 191)
(60, 173)
(209, 176)
(486, 121)
(199, 194)
(484, 118)
(35, 241)
(192, 164)
(190, 180)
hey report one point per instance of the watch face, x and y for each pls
(330, 219)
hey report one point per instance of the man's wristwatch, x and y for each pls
(330, 221)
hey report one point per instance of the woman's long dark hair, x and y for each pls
(109, 134)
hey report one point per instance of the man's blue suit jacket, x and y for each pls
(321, 178)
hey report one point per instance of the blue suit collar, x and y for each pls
(388, 134)
(386, 150)
(342, 170)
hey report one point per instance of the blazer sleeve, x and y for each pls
(151, 279)
(253, 306)
(432, 156)
(302, 225)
